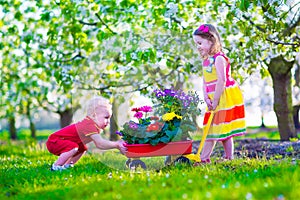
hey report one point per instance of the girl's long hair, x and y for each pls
(212, 35)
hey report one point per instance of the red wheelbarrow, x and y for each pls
(136, 151)
(183, 148)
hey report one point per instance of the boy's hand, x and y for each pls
(121, 147)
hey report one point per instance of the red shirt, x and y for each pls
(79, 132)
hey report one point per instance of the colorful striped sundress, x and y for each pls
(229, 117)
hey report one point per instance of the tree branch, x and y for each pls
(87, 23)
(283, 43)
(98, 16)
(102, 89)
(177, 21)
(288, 30)
(253, 24)
(71, 59)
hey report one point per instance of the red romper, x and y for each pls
(72, 136)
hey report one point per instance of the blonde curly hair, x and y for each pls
(96, 103)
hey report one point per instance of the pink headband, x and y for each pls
(203, 28)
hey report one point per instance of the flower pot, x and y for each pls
(161, 149)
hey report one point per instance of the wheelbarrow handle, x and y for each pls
(205, 132)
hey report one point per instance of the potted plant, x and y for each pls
(164, 128)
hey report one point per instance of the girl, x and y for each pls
(221, 93)
(69, 142)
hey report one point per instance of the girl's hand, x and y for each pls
(214, 105)
(121, 147)
(208, 103)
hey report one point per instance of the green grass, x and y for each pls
(272, 135)
(25, 174)
(251, 133)
(24, 134)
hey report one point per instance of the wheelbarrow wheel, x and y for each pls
(168, 161)
(134, 164)
(182, 160)
(128, 161)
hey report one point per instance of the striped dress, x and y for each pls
(229, 117)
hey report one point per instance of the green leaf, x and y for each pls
(45, 16)
(28, 38)
(244, 5)
(154, 141)
(165, 139)
(172, 133)
(18, 15)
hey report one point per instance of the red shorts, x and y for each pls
(58, 146)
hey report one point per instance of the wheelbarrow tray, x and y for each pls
(161, 149)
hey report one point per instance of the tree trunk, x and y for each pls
(262, 122)
(280, 71)
(12, 127)
(296, 116)
(297, 84)
(66, 117)
(31, 124)
(32, 130)
(113, 122)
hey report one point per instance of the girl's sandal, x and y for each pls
(203, 162)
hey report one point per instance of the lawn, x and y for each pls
(25, 174)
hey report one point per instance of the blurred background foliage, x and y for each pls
(56, 54)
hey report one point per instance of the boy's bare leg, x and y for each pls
(64, 157)
(74, 159)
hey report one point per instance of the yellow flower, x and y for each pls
(170, 116)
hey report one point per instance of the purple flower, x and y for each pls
(159, 93)
(119, 133)
(138, 115)
(182, 97)
(186, 104)
(133, 125)
(167, 91)
(172, 93)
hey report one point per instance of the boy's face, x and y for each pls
(102, 116)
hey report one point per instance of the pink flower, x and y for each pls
(138, 115)
(154, 118)
(154, 127)
(146, 109)
(135, 109)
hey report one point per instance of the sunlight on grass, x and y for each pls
(25, 174)
(272, 135)
(117, 161)
(25, 134)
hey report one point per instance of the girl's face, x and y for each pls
(102, 117)
(203, 46)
